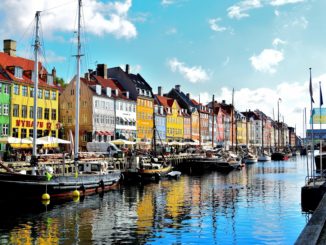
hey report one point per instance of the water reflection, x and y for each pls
(260, 204)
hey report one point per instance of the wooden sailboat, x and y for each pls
(58, 178)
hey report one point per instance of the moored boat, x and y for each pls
(279, 156)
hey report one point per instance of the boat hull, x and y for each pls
(33, 187)
(317, 162)
(264, 158)
(278, 156)
(213, 164)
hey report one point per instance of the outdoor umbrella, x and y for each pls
(122, 142)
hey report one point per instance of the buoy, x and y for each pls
(45, 202)
(76, 199)
(75, 193)
(45, 196)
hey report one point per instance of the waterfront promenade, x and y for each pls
(315, 230)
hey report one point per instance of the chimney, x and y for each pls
(102, 71)
(127, 68)
(223, 101)
(177, 87)
(116, 92)
(54, 73)
(9, 47)
(188, 95)
(87, 76)
(127, 94)
(159, 90)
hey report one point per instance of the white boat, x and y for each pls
(264, 158)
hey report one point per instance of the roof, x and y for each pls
(164, 101)
(7, 61)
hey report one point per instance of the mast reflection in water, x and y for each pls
(259, 204)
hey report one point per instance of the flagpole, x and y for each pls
(312, 130)
(321, 141)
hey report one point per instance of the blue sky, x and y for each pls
(261, 48)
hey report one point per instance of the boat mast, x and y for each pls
(77, 84)
(36, 49)
(213, 106)
(262, 133)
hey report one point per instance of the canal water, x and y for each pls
(259, 204)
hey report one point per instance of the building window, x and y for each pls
(16, 89)
(54, 114)
(40, 94)
(54, 95)
(46, 94)
(31, 131)
(31, 92)
(15, 110)
(72, 92)
(39, 133)
(69, 105)
(46, 113)
(23, 133)
(31, 112)
(5, 129)
(24, 111)
(0, 109)
(69, 119)
(18, 72)
(5, 109)
(0, 87)
(39, 112)
(53, 133)
(6, 89)
(24, 90)
(15, 132)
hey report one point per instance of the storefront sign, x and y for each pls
(29, 124)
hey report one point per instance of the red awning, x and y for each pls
(99, 133)
(108, 133)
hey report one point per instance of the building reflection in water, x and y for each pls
(254, 205)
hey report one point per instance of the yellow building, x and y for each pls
(20, 72)
(174, 118)
(145, 110)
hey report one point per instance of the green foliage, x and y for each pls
(60, 81)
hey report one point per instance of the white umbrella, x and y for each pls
(122, 142)
(14, 140)
(29, 140)
(52, 140)
(174, 143)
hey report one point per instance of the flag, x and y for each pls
(48, 176)
(321, 95)
(310, 89)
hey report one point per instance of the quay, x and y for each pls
(315, 230)
(313, 198)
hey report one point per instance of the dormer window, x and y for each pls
(49, 79)
(18, 72)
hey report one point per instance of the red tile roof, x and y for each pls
(7, 61)
(165, 101)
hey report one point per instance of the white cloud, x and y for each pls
(267, 60)
(171, 31)
(277, 42)
(215, 26)
(239, 10)
(302, 22)
(277, 13)
(193, 74)
(100, 18)
(265, 99)
(283, 2)
(167, 2)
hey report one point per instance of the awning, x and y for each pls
(107, 133)
(99, 132)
